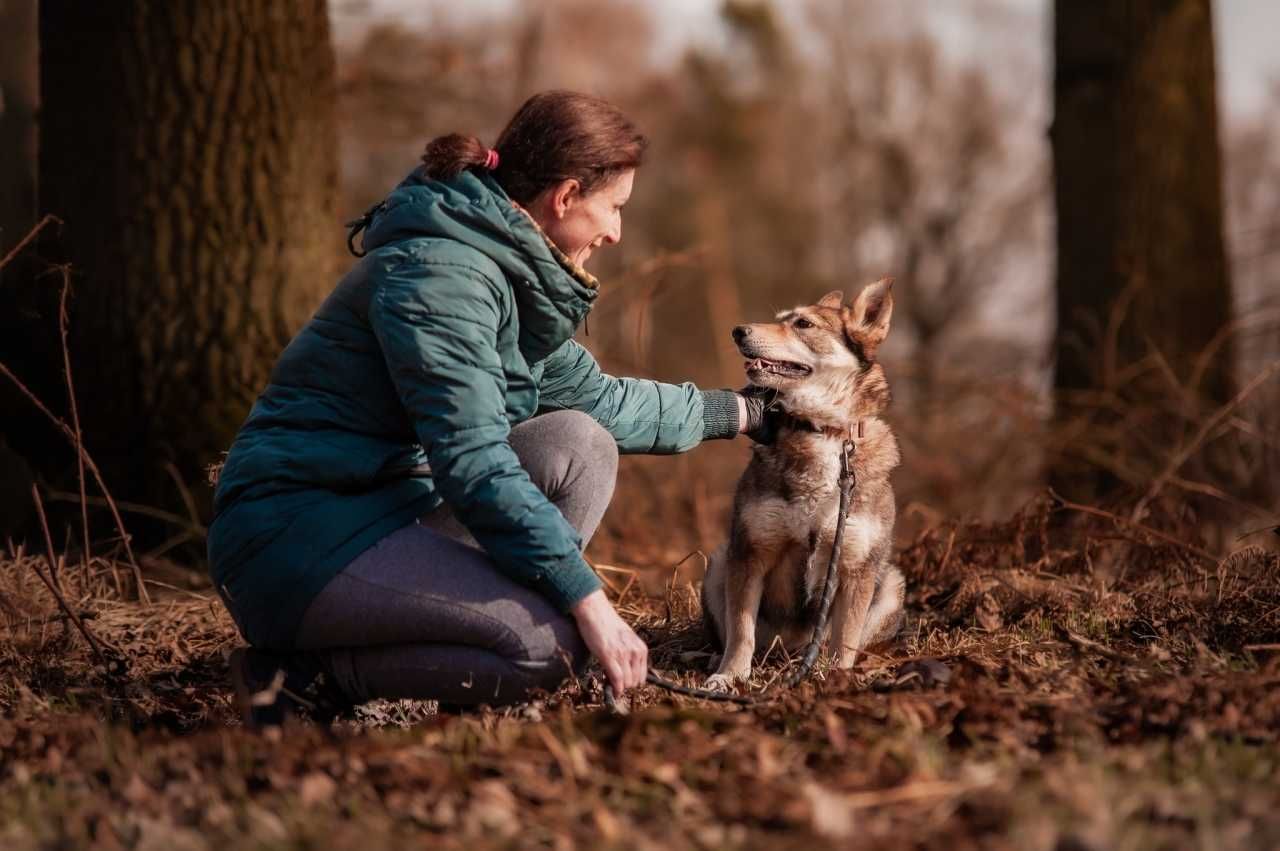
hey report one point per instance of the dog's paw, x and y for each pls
(721, 682)
(845, 660)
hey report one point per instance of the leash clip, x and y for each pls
(847, 452)
(846, 457)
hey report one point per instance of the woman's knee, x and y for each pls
(583, 436)
(573, 459)
(551, 653)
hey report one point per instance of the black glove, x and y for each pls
(763, 416)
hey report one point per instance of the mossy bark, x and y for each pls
(1141, 262)
(190, 148)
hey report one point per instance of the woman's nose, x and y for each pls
(614, 234)
(741, 333)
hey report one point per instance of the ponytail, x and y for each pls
(448, 156)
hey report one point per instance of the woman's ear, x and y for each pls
(564, 195)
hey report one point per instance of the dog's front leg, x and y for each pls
(743, 589)
(853, 600)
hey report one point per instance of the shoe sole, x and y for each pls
(244, 695)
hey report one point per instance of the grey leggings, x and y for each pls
(425, 614)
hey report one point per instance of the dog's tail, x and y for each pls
(884, 618)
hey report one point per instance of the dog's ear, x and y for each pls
(835, 299)
(866, 323)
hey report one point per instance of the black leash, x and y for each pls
(848, 481)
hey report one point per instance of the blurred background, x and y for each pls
(1080, 204)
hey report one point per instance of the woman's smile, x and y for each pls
(578, 223)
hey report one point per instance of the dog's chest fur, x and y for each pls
(785, 510)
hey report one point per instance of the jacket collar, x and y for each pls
(566, 262)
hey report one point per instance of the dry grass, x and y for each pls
(1106, 686)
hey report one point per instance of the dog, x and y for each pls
(765, 584)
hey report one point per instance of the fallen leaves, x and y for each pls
(1048, 691)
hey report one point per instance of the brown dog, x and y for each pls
(765, 584)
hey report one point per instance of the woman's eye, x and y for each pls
(803, 323)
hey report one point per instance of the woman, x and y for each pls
(403, 512)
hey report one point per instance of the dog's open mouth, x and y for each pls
(787, 369)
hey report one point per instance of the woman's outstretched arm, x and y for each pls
(642, 415)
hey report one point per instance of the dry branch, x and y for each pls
(31, 235)
(63, 323)
(73, 434)
(93, 468)
(1192, 446)
(51, 582)
(1138, 527)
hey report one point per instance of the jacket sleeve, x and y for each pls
(642, 415)
(437, 327)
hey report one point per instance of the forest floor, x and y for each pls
(1068, 680)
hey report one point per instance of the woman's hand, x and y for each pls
(758, 417)
(610, 639)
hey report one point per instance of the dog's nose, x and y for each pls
(741, 333)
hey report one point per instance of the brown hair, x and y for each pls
(554, 136)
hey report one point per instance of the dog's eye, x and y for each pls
(803, 323)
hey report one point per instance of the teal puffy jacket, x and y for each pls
(400, 393)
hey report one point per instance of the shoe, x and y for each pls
(272, 687)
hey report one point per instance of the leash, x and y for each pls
(847, 482)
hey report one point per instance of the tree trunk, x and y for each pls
(1141, 263)
(19, 93)
(190, 148)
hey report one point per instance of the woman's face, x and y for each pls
(579, 224)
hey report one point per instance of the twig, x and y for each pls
(184, 492)
(601, 568)
(1181, 456)
(195, 594)
(167, 545)
(622, 595)
(93, 468)
(196, 530)
(1085, 644)
(63, 322)
(1273, 526)
(675, 569)
(27, 623)
(1217, 493)
(51, 582)
(612, 568)
(26, 240)
(946, 557)
(74, 434)
(909, 792)
(1226, 332)
(1168, 539)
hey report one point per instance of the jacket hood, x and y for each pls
(553, 294)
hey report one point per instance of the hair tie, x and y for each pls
(491, 159)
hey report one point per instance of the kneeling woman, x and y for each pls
(403, 512)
